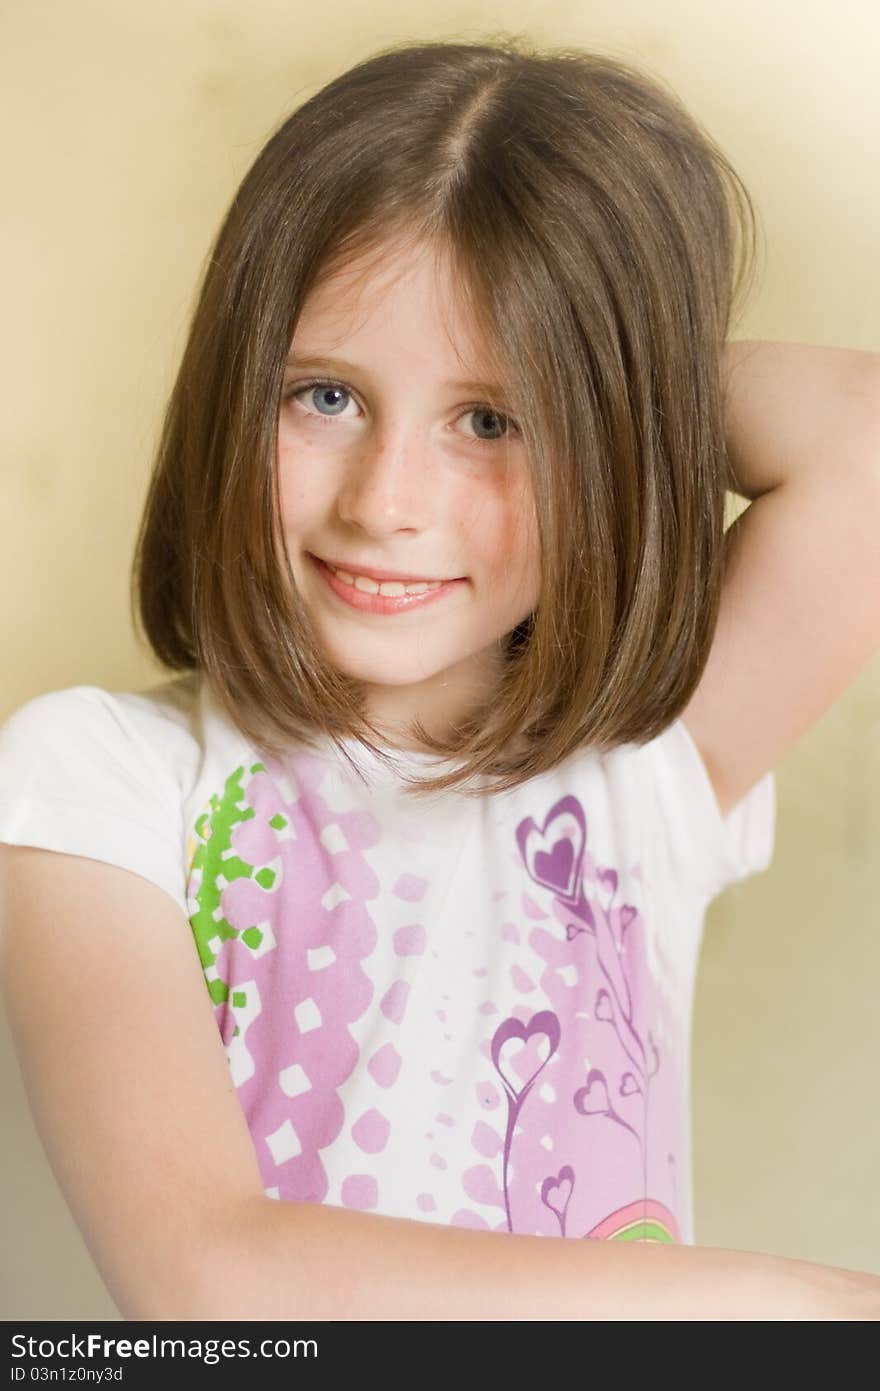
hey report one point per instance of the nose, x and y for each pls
(387, 485)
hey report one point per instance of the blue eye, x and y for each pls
(336, 387)
(329, 386)
(487, 411)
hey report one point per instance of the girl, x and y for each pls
(391, 898)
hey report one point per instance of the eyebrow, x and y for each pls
(302, 361)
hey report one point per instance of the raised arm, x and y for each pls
(800, 609)
(131, 1094)
(793, 409)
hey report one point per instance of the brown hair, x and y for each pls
(600, 239)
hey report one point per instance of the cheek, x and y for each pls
(510, 546)
(299, 498)
(521, 534)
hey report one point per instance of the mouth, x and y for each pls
(369, 595)
(353, 572)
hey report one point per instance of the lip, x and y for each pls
(379, 603)
(370, 573)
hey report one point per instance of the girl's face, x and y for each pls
(391, 463)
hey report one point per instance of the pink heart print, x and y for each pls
(543, 1024)
(562, 1183)
(603, 1008)
(589, 1104)
(554, 852)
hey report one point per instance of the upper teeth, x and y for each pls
(390, 587)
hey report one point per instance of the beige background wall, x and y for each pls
(126, 127)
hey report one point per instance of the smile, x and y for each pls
(368, 596)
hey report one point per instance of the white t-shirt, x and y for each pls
(474, 1012)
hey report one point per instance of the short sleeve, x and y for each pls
(713, 850)
(78, 777)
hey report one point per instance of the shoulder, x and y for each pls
(708, 845)
(116, 747)
(104, 775)
(168, 700)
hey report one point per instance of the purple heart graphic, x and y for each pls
(553, 853)
(555, 868)
(592, 1100)
(571, 931)
(562, 1184)
(627, 913)
(544, 1023)
(628, 1084)
(603, 1009)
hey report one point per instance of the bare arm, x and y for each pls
(800, 609)
(308, 1261)
(794, 409)
(130, 1091)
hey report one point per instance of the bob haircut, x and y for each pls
(600, 240)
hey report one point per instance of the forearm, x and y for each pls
(305, 1261)
(793, 407)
